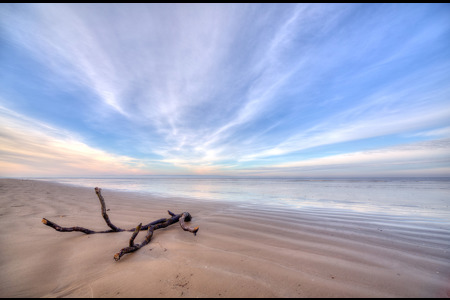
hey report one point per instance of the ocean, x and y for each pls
(423, 198)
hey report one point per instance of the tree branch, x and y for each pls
(98, 191)
(150, 227)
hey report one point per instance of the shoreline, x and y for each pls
(239, 251)
(407, 197)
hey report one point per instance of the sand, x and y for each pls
(239, 251)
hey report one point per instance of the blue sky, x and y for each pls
(225, 89)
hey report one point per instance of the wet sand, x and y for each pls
(239, 251)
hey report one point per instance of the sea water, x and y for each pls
(410, 197)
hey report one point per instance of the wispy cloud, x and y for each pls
(56, 34)
(31, 147)
(211, 87)
(439, 132)
(421, 158)
(388, 111)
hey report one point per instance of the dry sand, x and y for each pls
(239, 251)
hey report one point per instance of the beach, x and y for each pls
(240, 250)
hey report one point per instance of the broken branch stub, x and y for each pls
(150, 227)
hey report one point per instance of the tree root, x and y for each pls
(150, 227)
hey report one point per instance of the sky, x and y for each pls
(315, 90)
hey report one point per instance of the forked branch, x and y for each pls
(150, 227)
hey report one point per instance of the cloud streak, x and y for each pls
(424, 158)
(30, 147)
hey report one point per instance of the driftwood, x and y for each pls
(150, 227)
